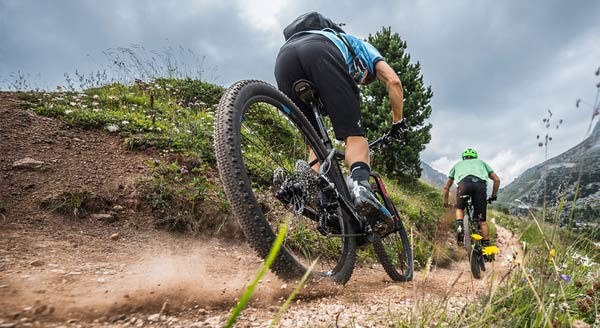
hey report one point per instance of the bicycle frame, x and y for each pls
(474, 224)
(332, 159)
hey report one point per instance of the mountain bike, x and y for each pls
(262, 143)
(472, 239)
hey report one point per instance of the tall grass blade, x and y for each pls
(288, 301)
(261, 272)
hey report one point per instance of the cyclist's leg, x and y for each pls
(479, 197)
(326, 68)
(357, 150)
(460, 212)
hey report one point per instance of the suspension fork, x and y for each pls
(380, 187)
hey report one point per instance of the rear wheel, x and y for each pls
(259, 136)
(467, 235)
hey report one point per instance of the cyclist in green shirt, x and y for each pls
(472, 175)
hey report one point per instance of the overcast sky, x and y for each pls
(495, 67)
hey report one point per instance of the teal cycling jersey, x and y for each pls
(364, 50)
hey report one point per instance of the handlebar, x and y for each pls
(382, 142)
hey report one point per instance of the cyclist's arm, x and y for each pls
(496, 180)
(386, 74)
(447, 190)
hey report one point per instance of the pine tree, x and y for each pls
(401, 159)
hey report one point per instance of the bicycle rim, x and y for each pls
(394, 251)
(395, 255)
(261, 135)
(467, 235)
(475, 261)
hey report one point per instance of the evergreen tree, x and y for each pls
(401, 159)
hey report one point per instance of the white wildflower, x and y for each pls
(73, 103)
(96, 110)
(96, 97)
(68, 111)
(112, 128)
(95, 103)
(586, 261)
(112, 97)
(124, 122)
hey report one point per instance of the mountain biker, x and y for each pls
(472, 175)
(336, 63)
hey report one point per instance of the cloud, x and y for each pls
(508, 165)
(495, 68)
(443, 164)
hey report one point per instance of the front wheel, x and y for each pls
(260, 135)
(395, 255)
(476, 261)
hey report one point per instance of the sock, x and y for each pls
(360, 171)
(459, 225)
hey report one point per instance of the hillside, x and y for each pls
(95, 202)
(118, 220)
(432, 176)
(562, 176)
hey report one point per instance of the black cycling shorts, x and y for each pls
(315, 58)
(477, 189)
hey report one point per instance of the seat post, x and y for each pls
(308, 93)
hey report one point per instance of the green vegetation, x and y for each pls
(76, 203)
(421, 208)
(184, 198)
(402, 158)
(170, 118)
(173, 119)
(555, 283)
(241, 305)
(162, 114)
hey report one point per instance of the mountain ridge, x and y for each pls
(562, 173)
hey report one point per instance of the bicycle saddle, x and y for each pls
(306, 91)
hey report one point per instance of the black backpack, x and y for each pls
(310, 21)
(315, 21)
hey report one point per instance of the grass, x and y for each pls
(556, 283)
(546, 288)
(245, 298)
(75, 203)
(171, 119)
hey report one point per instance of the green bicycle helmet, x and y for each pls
(469, 153)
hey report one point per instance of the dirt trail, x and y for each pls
(58, 271)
